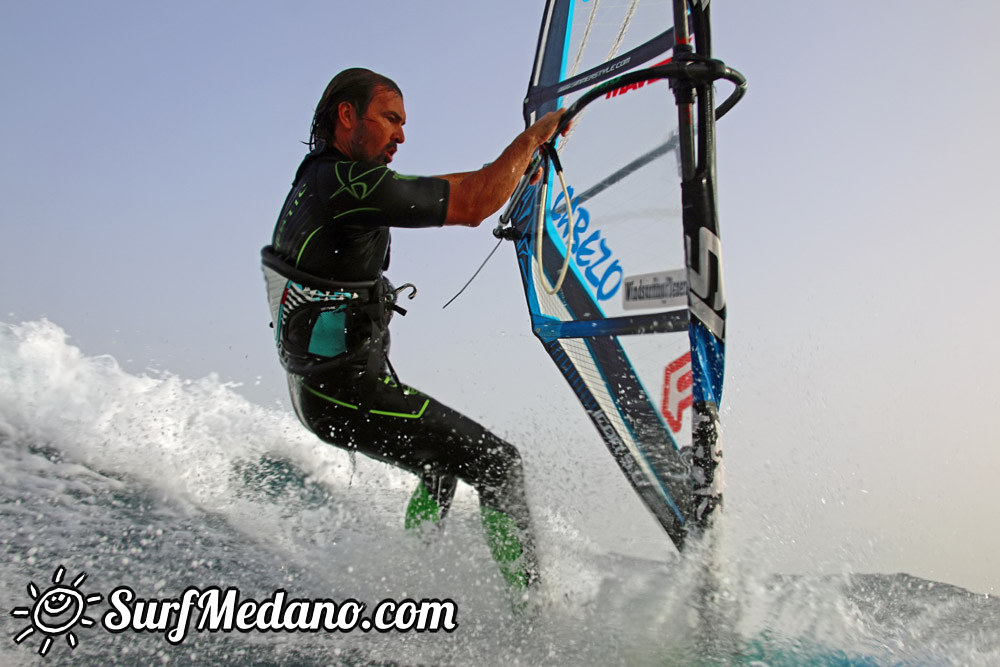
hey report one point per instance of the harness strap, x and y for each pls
(303, 302)
(271, 260)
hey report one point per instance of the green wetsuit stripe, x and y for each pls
(325, 397)
(303, 249)
(384, 413)
(403, 415)
(356, 210)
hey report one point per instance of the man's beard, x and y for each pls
(362, 138)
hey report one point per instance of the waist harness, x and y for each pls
(321, 324)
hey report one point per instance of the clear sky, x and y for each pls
(146, 150)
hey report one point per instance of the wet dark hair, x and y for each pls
(357, 86)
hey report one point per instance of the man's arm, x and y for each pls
(455, 179)
(476, 195)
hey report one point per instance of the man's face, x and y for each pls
(379, 128)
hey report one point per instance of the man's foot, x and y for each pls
(517, 563)
(430, 501)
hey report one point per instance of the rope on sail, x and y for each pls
(615, 48)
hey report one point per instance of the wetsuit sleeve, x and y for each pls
(362, 193)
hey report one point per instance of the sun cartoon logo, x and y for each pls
(56, 611)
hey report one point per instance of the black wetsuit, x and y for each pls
(335, 226)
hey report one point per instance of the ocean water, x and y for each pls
(161, 484)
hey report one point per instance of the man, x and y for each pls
(331, 306)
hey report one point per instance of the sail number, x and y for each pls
(591, 253)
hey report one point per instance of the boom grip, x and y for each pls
(700, 71)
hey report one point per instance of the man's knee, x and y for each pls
(497, 469)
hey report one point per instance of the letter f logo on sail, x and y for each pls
(677, 391)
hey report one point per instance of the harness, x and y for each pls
(321, 324)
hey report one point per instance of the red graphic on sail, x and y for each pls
(677, 391)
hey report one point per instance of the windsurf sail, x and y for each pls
(621, 259)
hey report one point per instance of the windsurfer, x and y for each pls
(332, 237)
